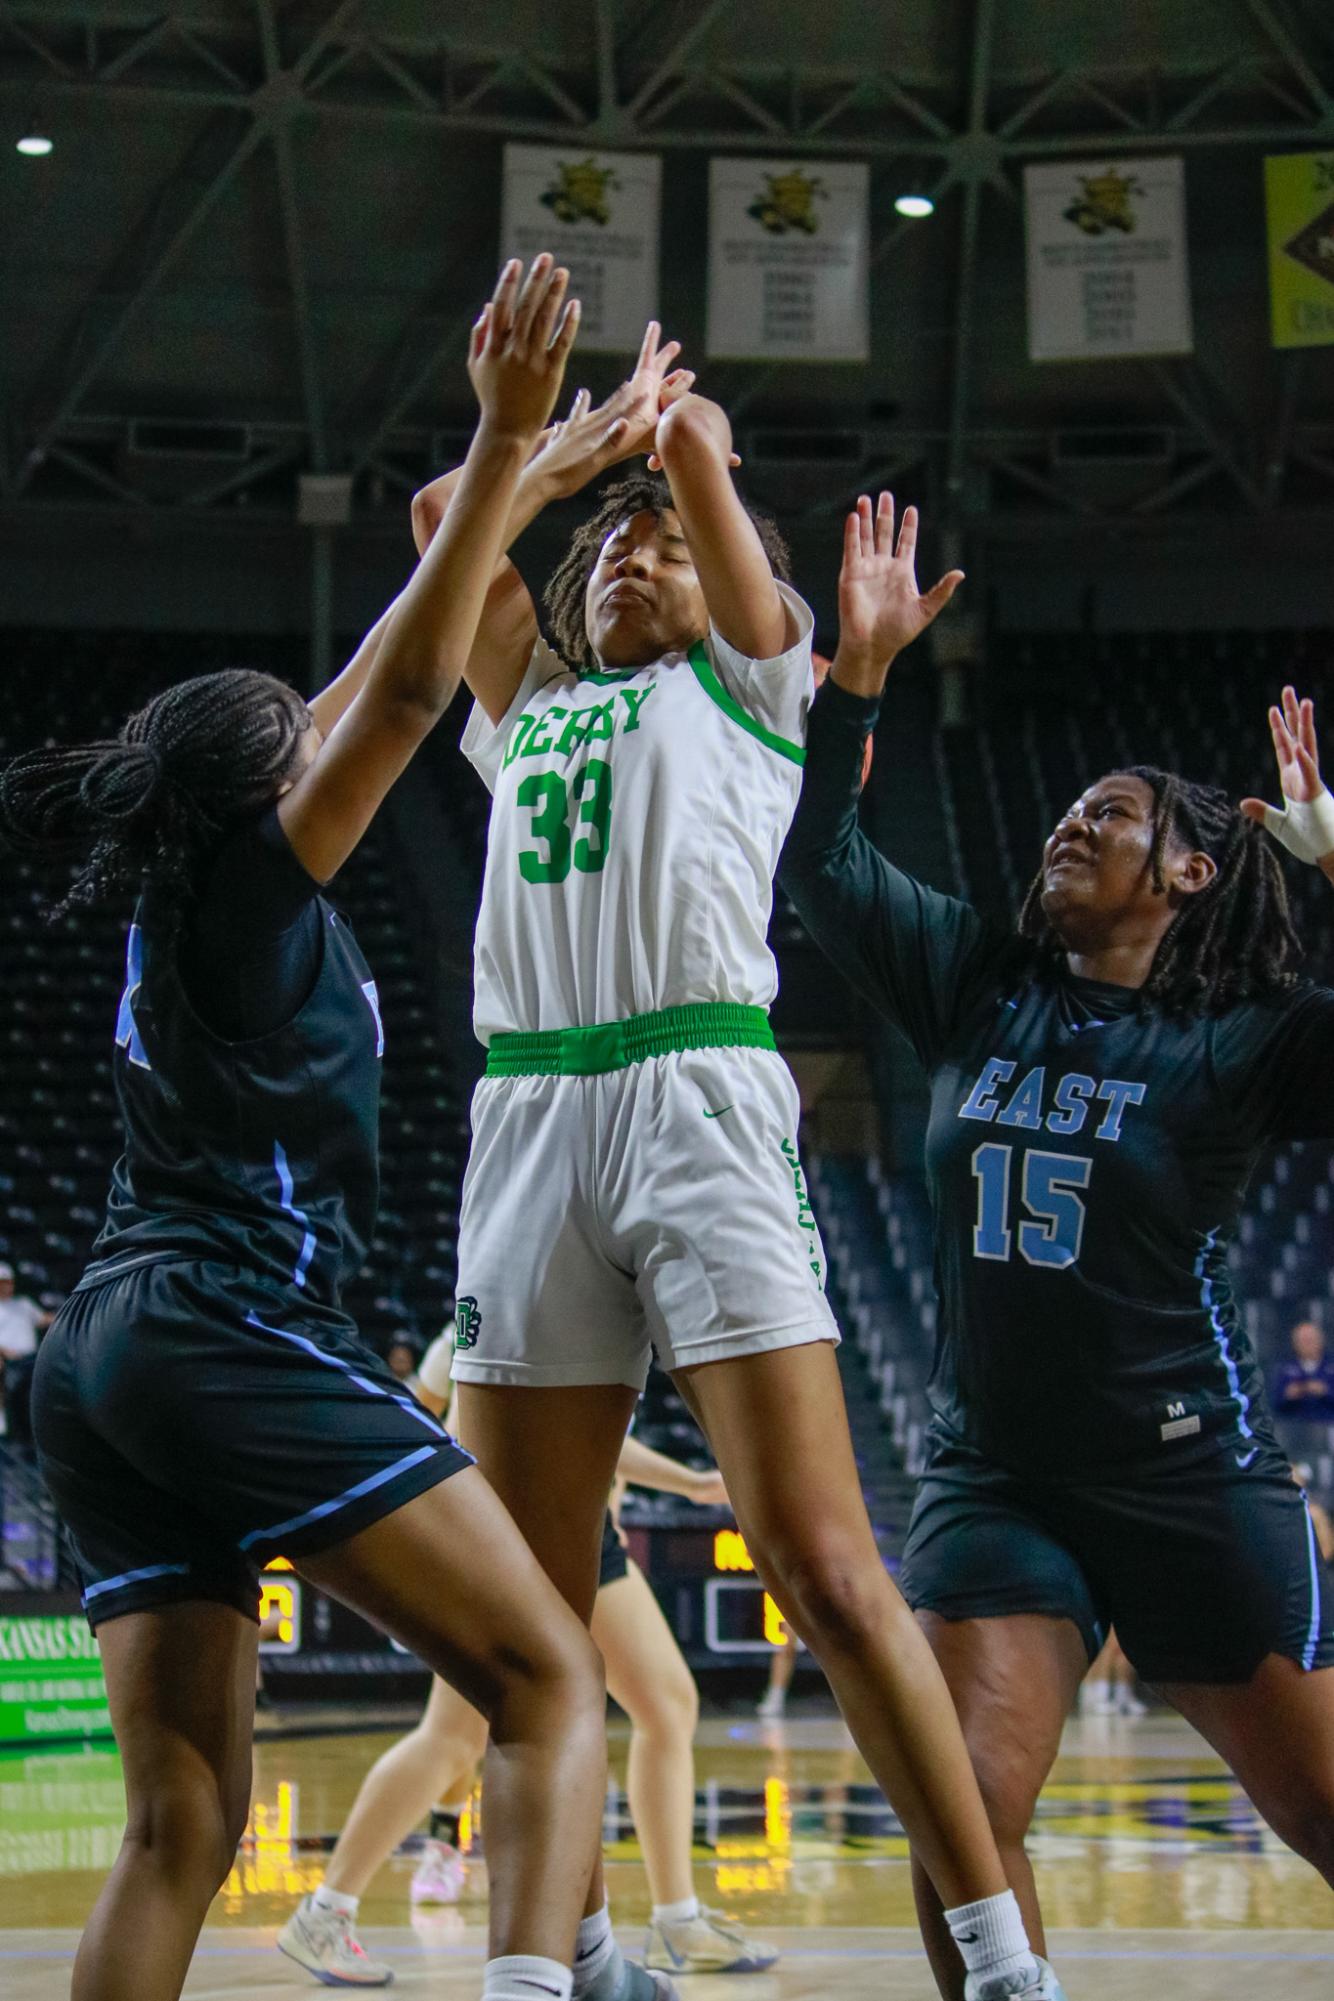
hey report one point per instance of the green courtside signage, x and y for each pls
(50, 1680)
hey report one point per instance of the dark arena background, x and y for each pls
(243, 244)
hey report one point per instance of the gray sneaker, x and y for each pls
(624, 1979)
(326, 1944)
(709, 1943)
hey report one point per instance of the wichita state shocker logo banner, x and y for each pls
(1299, 205)
(598, 214)
(1107, 266)
(788, 260)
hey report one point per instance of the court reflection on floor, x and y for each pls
(1138, 1829)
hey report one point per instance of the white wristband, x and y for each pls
(1305, 827)
(433, 1373)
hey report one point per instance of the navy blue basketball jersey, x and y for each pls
(1087, 1160)
(263, 1152)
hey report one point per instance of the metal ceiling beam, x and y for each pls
(706, 14)
(1262, 13)
(978, 162)
(293, 239)
(104, 348)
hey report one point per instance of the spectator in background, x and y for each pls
(402, 1355)
(21, 1320)
(1304, 1387)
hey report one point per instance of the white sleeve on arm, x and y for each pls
(483, 742)
(777, 692)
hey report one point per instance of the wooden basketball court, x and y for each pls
(1157, 1878)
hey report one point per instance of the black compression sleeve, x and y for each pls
(902, 945)
(251, 951)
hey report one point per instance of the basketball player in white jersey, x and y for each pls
(634, 1180)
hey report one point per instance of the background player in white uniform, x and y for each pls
(646, 1675)
(634, 1176)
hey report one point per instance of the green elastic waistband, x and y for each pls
(614, 1045)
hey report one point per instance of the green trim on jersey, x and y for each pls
(714, 689)
(615, 1045)
(606, 677)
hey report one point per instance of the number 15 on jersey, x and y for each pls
(1051, 1190)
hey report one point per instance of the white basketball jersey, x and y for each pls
(636, 822)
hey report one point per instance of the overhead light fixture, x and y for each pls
(35, 145)
(915, 206)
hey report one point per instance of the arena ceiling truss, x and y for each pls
(275, 217)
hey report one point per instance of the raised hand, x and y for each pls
(880, 608)
(520, 344)
(1305, 821)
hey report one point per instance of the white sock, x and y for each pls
(325, 1899)
(522, 1976)
(676, 1914)
(594, 1949)
(990, 1934)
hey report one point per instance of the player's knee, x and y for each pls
(188, 1828)
(1306, 1824)
(561, 1669)
(830, 1593)
(669, 1707)
(1008, 1785)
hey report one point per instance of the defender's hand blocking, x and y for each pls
(880, 609)
(520, 344)
(1305, 821)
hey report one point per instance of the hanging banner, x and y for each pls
(597, 213)
(1107, 266)
(1299, 207)
(788, 260)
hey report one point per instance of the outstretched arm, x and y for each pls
(643, 1467)
(901, 945)
(517, 358)
(1304, 823)
(694, 446)
(570, 454)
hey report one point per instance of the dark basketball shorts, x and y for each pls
(614, 1562)
(1203, 1572)
(193, 1421)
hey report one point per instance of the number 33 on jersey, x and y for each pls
(637, 821)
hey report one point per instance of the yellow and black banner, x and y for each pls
(1299, 205)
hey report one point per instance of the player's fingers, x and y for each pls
(480, 327)
(648, 347)
(852, 538)
(530, 297)
(865, 525)
(1283, 740)
(884, 525)
(940, 594)
(908, 535)
(654, 462)
(548, 312)
(1259, 810)
(501, 310)
(1306, 714)
(1291, 710)
(613, 434)
(1308, 769)
(580, 406)
(558, 347)
(733, 460)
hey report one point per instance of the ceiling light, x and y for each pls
(35, 146)
(915, 206)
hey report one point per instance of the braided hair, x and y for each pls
(145, 808)
(1232, 941)
(640, 493)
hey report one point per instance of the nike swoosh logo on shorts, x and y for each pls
(1244, 1459)
(718, 1114)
